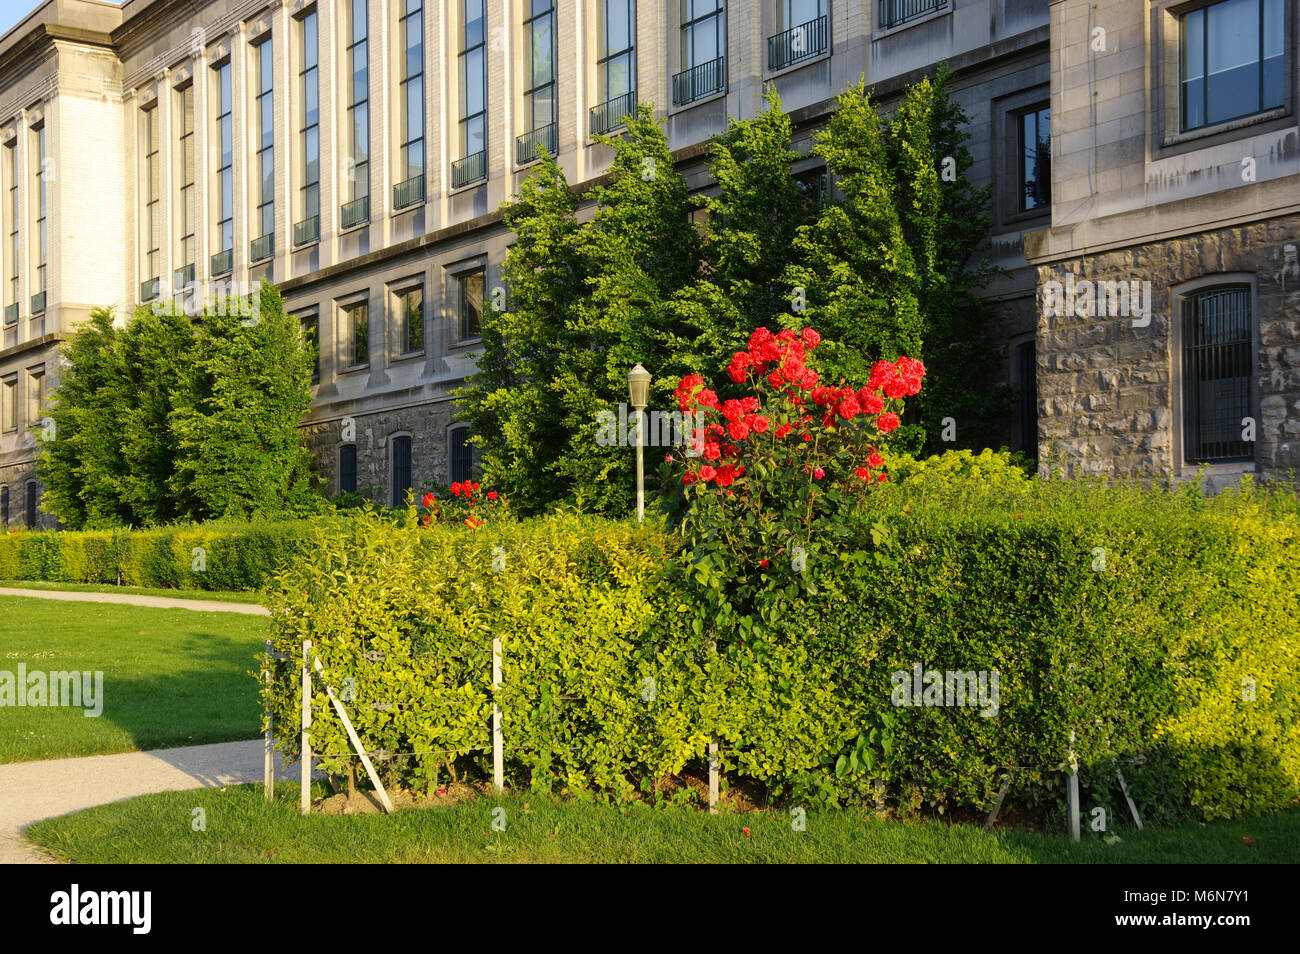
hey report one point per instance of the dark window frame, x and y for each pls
(1202, 11)
(1202, 362)
(400, 465)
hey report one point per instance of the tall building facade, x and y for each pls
(355, 154)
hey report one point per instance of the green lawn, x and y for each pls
(171, 676)
(224, 596)
(242, 828)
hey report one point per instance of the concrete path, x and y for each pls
(136, 599)
(32, 791)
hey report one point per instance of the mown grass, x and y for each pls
(240, 828)
(171, 676)
(223, 596)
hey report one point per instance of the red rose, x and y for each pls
(738, 430)
(875, 460)
(492, 495)
(732, 410)
(758, 424)
(887, 422)
(762, 562)
(783, 430)
(818, 474)
(707, 473)
(429, 499)
(881, 478)
(873, 404)
(811, 338)
(862, 473)
(455, 489)
(849, 408)
(775, 379)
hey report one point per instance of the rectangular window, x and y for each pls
(401, 469)
(704, 51)
(35, 395)
(896, 12)
(410, 189)
(473, 96)
(357, 209)
(186, 248)
(38, 193)
(4, 505)
(263, 245)
(307, 229)
(11, 220)
(1231, 61)
(224, 199)
(462, 456)
(1027, 372)
(1035, 144)
(151, 226)
(11, 402)
(802, 33)
(348, 469)
(410, 307)
(539, 65)
(31, 505)
(311, 335)
(616, 68)
(356, 326)
(1217, 373)
(469, 299)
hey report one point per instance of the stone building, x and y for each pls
(355, 153)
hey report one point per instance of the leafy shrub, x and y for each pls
(235, 556)
(958, 468)
(1147, 623)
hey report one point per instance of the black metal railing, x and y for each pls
(470, 169)
(149, 289)
(612, 113)
(38, 303)
(408, 192)
(223, 263)
(183, 276)
(1218, 375)
(11, 314)
(529, 146)
(797, 43)
(355, 212)
(262, 247)
(896, 12)
(306, 231)
(700, 81)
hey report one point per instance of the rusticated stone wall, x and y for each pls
(1108, 384)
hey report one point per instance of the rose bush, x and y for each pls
(770, 478)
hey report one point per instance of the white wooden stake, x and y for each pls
(1072, 792)
(498, 757)
(713, 778)
(305, 805)
(1132, 807)
(268, 759)
(356, 743)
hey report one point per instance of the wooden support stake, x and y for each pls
(498, 756)
(356, 743)
(268, 757)
(1072, 792)
(997, 803)
(305, 757)
(713, 778)
(1132, 807)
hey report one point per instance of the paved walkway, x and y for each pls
(137, 599)
(32, 791)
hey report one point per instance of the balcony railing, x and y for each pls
(11, 314)
(223, 263)
(354, 212)
(38, 303)
(612, 113)
(183, 277)
(262, 248)
(149, 289)
(306, 231)
(896, 12)
(797, 43)
(700, 81)
(408, 192)
(529, 146)
(470, 169)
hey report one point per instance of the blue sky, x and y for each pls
(11, 11)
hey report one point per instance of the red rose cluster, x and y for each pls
(780, 361)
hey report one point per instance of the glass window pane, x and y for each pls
(309, 41)
(1233, 62)
(473, 23)
(542, 63)
(415, 109)
(414, 45)
(360, 75)
(474, 136)
(617, 26)
(472, 84)
(311, 100)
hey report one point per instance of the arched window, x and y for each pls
(462, 456)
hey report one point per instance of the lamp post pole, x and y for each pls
(638, 388)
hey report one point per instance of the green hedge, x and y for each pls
(214, 556)
(610, 684)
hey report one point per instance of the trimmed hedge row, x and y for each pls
(1147, 625)
(213, 556)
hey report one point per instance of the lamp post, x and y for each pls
(638, 389)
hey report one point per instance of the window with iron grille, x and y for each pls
(308, 228)
(410, 188)
(348, 468)
(1218, 372)
(1027, 373)
(401, 469)
(473, 82)
(802, 33)
(617, 63)
(1231, 61)
(704, 51)
(264, 190)
(462, 456)
(4, 506)
(897, 12)
(31, 505)
(539, 39)
(358, 118)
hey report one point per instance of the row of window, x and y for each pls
(13, 225)
(460, 465)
